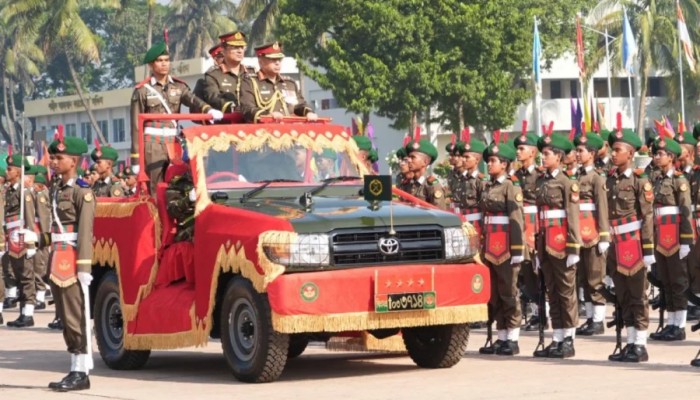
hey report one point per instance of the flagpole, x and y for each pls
(680, 63)
(607, 61)
(537, 112)
(629, 87)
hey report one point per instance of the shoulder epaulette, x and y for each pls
(431, 179)
(514, 179)
(143, 82)
(178, 80)
(82, 183)
(679, 174)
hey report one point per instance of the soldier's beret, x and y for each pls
(626, 136)
(104, 153)
(401, 153)
(157, 50)
(31, 170)
(17, 160)
(686, 138)
(451, 148)
(373, 156)
(363, 142)
(529, 139)
(667, 144)
(423, 146)
(128, 171)
(328, 153)
(604, 134)
(473, 146)
(40, 178)
(560, 142)
(591, 139)
(40, 169)
(696, 131)
(503, 150)
(70, 145)
(82, 172)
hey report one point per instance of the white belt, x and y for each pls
(497, 220)
(628, 227)
(586, 206)
(64, 237)
(473, 217)
(670, 210)
(530, 210)
(551, 214)
(13, 224)
(693, 207)
(160, 131)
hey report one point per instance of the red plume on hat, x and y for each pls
(406, 140)
(583, 128)
(416, 134)
(596, 127)
(681, 127)
(497, 136)
(523, 130)
(453, 139)
(619, 122)
(551, 127)
(466, 135)
(504, 137)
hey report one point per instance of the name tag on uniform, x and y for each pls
(175, 92)
(265, 92)
(151, 96)
(226, 83)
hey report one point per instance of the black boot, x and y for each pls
(22, 322)
(636, 354)
(509, 348)
(621, 355)
(56, 324)
(493, 348)
(73, 381)
(594, 328)
(10, 302)
(2, 321)
(674, 334)
(547, 350)
(658, 335)
(695, 363)
(564, 350)
(533, 324)
(40, 305)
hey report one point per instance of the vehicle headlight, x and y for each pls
(305, 250)
(458, 245)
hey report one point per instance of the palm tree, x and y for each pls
(654, 24)
(195, 25)
(60, 31)
(264, 15)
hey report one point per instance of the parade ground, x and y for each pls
(31, 358)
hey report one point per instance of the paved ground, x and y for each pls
(29, 359)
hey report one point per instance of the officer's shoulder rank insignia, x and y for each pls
(683, 187)
(519, 197)
(88, 197)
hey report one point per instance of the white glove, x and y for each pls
(685, 250)
(136, 168)
(2, 253)
(603, 247)
(30, 253)
(571, 260)
(648, 260)
(31, 236)
(216, 115)
(85, 278)
(192, 195)
(516, 260)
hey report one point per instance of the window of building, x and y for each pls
(327, 104)
(118, 130)
(104, 127)
(573, 88)
(71, 130)
(656, 87)
(555, 89)
(86, 131)
(625, 88)
(600, 87)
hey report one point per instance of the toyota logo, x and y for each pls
(389, 246)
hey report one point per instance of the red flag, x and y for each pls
(579, 47)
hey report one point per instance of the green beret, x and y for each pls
(82, 172)
(40, 169)
(328, 153)
(474, 146)
(626, 136)
(3, 172)
(696, 132)
(31, 170)
(686, 138)
(604, 134)
(373, 156)
(401, 153)
(667, 144)
(104, 153)
(155, 51)
(453, 149)
(363, 142)
(17, 160)
(529, 139)
(40, 178)
(71, 145)
(423, 146)
(92, 168)
(591, 139)
(502, 150)
(560, 142)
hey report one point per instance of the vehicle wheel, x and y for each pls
(439, 346)
(253, 350)
(297, 345)
(109, 328)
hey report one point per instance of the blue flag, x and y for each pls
(536, 54)
(629, 46)
(579, 117)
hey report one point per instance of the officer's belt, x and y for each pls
(668, 210)
(64, 237)
(496, 220)
(587, 207)
(473, 217)
(552, 214)
(530, 210)
(166, 132)
(627, 228)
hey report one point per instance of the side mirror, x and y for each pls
(219, 197)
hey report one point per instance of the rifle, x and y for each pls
(695, 300)
(617, 321)
(542, 308)
(489, 329)
(661, 304)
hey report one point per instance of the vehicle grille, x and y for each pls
(361, 246)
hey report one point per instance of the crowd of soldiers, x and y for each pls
(582, 229)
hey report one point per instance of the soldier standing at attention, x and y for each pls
(216, 53)
(452, 175)
(471, 180)
(603, 162)
(595, 232)
(501, 204)
(129, 182)
(527, 174)
(558, 244)
(160, 94)
(222, 85)
(421, 154)
(33, 178)
(270, 94)
(3, 250)
(107, 185)
(404, 173)
(570, 162)
(673, 235)
(71, 238)
(692, 172)
(365, 148)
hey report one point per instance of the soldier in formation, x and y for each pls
(422, 154)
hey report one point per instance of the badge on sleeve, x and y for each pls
(647, 187)
(28, 198)
(438, 194)
(519, 197)
(574, 187)
(88, 197)
(683, 187)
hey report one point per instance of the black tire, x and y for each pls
(253, 350)
(297, 345)
(109, 328)
(439, 346)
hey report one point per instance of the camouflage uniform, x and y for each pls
(180, 207)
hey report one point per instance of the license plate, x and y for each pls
(404, 302)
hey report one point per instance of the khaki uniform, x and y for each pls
(501, 204)
(75, 209)
(180, 207)
(8, 278)
(427, 189)
(151, 97)
(263, 96)
(693, 175)
(528, 182)
(558, 237)
(22, 267)
(453, 190)
(222, 87)
(630, 200)
(107, 188)
(41, 258)
(672, 228)
(604, 165)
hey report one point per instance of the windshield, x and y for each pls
(242, 168)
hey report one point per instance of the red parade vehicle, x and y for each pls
(285, 249)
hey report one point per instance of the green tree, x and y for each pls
(195, 25)
(264, 15)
